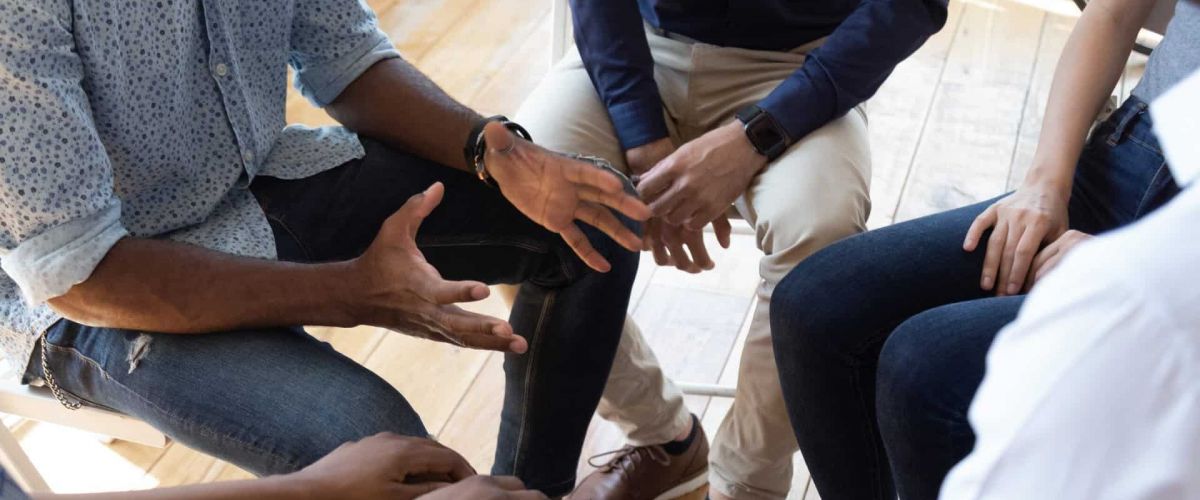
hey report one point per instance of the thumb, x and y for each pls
(499, 139)
(420, 206)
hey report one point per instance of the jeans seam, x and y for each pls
(204, 430)
(1154, 149)
(290, 232)
(1141, 207)
(530, 371)
(479, 243)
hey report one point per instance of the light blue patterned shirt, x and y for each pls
(149, 118)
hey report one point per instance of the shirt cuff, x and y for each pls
(49, 264)
(804, 102)
(324, 83)
(638, 122)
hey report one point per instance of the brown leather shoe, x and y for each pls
(649, 473)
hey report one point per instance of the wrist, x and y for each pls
(343, 291)
(1050, 180)
(735, 136)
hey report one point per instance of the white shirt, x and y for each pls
(1094, 391)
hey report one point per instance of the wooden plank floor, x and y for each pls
(955, 124)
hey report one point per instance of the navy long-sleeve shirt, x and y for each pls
(867, 38)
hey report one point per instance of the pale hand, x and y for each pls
(555, 191)
(1021, 223)
(1050, 256)
(486, 488)
(403, 292)
(667, 241)
(698, 183)
(383, 466)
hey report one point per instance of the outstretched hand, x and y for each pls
(556, 191)
(403, 292)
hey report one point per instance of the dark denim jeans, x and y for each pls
(881, 339)
(274, 400)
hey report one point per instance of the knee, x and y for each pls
(360, 413)
(809, 311)
(788, 239)
(915, 379)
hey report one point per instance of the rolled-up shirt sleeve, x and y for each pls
(59, 215)
(333, 43)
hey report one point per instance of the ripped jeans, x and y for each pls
(273, 400)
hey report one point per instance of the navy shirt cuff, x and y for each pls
(638, 122)
(802, 103)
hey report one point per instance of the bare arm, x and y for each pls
(270, 488)
(1036, 214)
(169, 287)
(1089, 67)
(395, 102)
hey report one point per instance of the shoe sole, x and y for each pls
(695, 488)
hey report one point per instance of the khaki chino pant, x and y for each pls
(814, 195)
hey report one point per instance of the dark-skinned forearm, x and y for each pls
(274, 487)
(169, 287)
(394, 102)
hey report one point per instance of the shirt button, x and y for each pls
(222, 69)
(247, 156)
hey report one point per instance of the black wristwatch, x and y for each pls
(765, 134)
(476, 146)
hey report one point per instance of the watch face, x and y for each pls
(763, 135)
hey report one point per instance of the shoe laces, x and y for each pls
(628, 457)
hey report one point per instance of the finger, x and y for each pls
(431, 460)
(654, 184)
(449, 292)
(676, 209)
(584, 249)
(585, 173)
(419, 206)
(981, 224)
(704, 216)
(499, 139)
(991, 258)
(695, 245)
(607, 223)
(416, 490)
(659, 248)
(527, 495)
(1026, 250)
(1048, 266)
(1039, 263)
(722, 229)
(622, 202)
(508, 483)
(674, 243)
(1007, 256)
(477, 331)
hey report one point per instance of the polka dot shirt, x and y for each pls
(149, 118)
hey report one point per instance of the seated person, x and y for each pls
(881, 338)
(749, 103)
(1092, 392)
(383, 466)
(151, 192)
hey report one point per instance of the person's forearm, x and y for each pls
(396, 103)
(611, 39)
(1087, 70)
(270, 488)
(169, 287)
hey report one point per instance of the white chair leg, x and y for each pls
(18, 465)
(560, 29)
